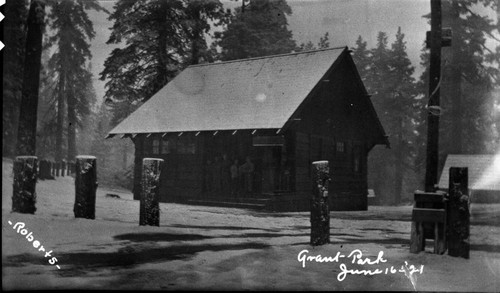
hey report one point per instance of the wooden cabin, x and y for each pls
(279, 112)
(483, 174)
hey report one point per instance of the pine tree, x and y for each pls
(387, 74)
(14, 26)
(361, 57)
(257, 28)
(470, 74)
(46, 124)
(160, 38)
(73, 31)
(402, 112)
(322, 44)
(197, 14)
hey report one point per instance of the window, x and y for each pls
(165, 146)
(186, 145)
(340, 147)
(156, 146)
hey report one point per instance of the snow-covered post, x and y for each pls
(149, 205)
(85, 187)
(42, 174)
(72, 168)
(45, 170)
(58, 165)
(320, 213)
(458, 213)
(24, 189)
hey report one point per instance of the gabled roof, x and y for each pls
(483, 171)
(256, 93)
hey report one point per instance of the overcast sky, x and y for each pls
(344, 20)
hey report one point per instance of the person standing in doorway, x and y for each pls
(216, 175)
(247, 172)
(234, 178)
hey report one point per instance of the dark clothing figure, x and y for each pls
(246, 171)
(285, 176)
(234, 178)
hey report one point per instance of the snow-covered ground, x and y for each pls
(207, 248)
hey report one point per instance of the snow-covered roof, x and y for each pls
(256, 93)
(483, 171)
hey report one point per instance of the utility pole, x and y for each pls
(435, 41)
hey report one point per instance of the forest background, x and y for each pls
(103, 59)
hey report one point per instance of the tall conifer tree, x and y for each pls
(160, 38)
(73, 31)
(257, 28)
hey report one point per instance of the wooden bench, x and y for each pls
(429, 221)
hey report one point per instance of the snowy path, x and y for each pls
(208, 248)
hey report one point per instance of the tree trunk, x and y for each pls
(26, 136)
(85, 187)
(60, 120)
(458, 213)
(138, 156)
(13, 52)
(162, 45)
(149, 206)
(24, 189)
(398, 180)
(320, 213)
(195, 38)
(71, 127)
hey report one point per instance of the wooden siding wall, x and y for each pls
(181, 175)
(337, 113)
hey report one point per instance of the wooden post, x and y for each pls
(24, 189)
(45, 170)
(320, 213)
(431, 170)
(458, 213)
(63, 167)
(149, 205)
(58, 164)
(52, 169)
(85, 187)
(42, 175)
(417, 241)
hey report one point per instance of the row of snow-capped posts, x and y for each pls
(27, 171)
(25, 177)
(49, 169)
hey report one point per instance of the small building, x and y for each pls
(263, 120)
(483, 172)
